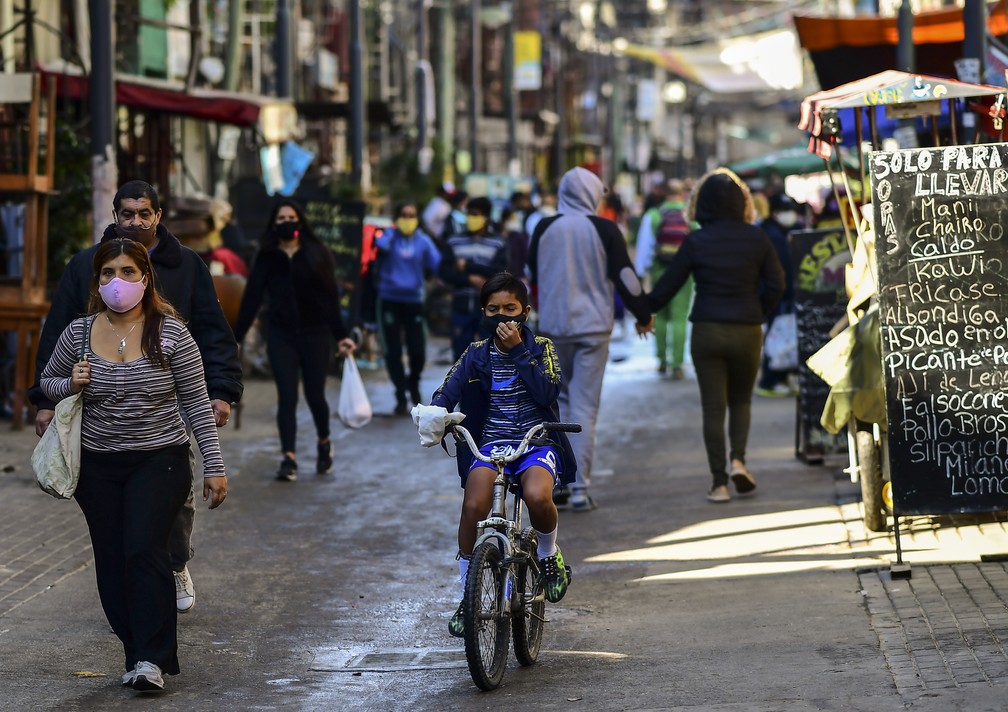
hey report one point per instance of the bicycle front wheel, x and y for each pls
(486, 617)
(527, 625)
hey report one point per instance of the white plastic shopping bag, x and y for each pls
(354, 408)
(432, 421)
(781, 343)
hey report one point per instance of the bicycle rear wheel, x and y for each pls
(527, 624)
(486, 617)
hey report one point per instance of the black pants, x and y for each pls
(400, 319)
(726, 358)
(305, 353)
(130, 500)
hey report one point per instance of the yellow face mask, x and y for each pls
(475, 223)
(407, 226)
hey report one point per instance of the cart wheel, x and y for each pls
(870, 475)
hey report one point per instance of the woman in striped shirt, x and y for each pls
(140, 365)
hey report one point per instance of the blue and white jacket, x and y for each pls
(468, 383)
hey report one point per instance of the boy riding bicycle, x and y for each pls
(505, 385)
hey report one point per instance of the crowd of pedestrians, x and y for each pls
(537, 289)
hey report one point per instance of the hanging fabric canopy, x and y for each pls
(888, 88)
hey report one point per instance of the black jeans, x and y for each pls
(130, 500)
(400, 319)
(726, 358)
(305, 353)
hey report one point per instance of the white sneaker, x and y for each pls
(147, 677)
(127, 678)
(185, 593)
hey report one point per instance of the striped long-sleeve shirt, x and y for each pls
(135, 405)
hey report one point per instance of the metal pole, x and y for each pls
(510, 95)
(446, 85)
(475, 91)
(356, 94)
(283, 50)
(560, 104)
(906, 59)
(104, 174)
(975, 33)
(232, 61)
(420, 75)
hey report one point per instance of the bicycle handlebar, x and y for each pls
(535, 430)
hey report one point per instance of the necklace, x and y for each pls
(122, 339)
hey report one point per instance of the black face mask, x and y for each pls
(287, 231)
(490, 323)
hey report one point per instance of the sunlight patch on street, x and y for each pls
(752, 545)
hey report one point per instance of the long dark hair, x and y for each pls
(154, 307)
(320, 257)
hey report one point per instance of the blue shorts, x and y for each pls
(545, 456)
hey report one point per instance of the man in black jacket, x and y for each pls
(184, 280)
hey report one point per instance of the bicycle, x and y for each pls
(504, 586)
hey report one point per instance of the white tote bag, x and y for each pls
(354, 408)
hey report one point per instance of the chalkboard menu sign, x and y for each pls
(819, 258)
(337, 222)
(943, 295)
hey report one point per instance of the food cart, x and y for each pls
(874, 380)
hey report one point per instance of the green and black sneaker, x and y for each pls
(556, 576)
(456, 626)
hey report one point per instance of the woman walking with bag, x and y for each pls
(140, 364)
(739, 282)
(405, 256)
(297, 272)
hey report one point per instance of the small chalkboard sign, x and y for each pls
(339, 224)
(819, 258)
(939, 218)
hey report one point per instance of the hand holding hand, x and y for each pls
(645, 329)
(214, 490)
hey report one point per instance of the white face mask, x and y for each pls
(787, 219)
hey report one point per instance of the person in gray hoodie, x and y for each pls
(576, 259)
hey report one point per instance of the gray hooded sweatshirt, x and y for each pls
(575, 259)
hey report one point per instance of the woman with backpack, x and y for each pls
(662, 232)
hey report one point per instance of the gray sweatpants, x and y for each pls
(582, 362)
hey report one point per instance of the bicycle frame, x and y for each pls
(506, 530)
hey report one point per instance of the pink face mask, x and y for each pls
(120, 295)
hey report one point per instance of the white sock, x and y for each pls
(547, 543)
(463, 570)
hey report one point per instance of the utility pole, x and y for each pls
(104, 172)
(445, 94)
(284, 50)
(510, 95)
(356, 94)
(421, 73)
(475, 91)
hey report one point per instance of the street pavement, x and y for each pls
(333, 593)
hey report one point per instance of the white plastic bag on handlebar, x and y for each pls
(431, 422)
